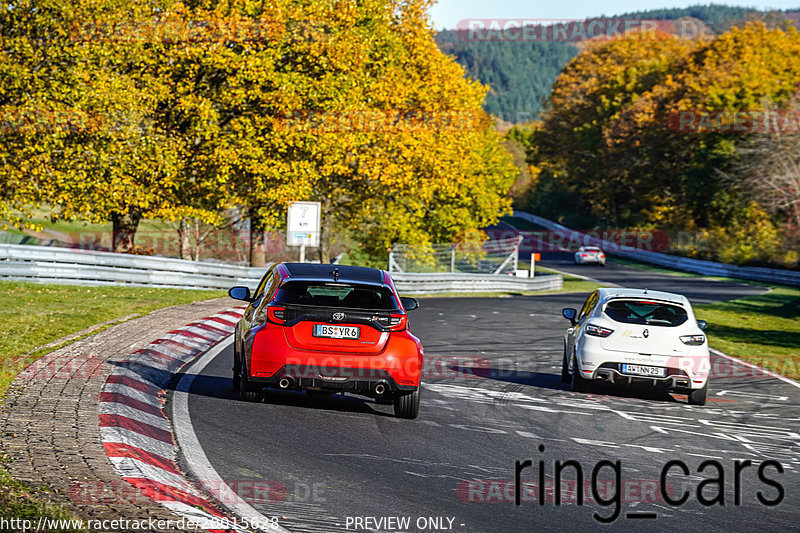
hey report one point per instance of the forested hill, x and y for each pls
(521, 73)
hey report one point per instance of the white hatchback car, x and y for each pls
(637, 337)
(590, 254)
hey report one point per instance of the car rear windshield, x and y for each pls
(349, 296)
(645, 312)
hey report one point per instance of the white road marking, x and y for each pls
(595, 442)
(653, 449)
(768, 372)
(701, 455)
(748, 394)
(196, 461)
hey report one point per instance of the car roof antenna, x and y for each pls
(335, 274)
(645, 290)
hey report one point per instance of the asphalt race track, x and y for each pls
(492, 396)
(699, 290)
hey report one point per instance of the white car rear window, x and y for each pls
(646, 313)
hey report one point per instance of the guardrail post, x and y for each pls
(393, 266)
(453, 259)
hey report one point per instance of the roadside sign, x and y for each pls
(303, 224)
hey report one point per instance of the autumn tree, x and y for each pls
(345, 104)
(102, 153)
(767, 168)
(594, 90)
(737, 72)
(631, 130)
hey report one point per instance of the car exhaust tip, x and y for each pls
(284, 383)
(380, 388)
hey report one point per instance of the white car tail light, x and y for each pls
(693, 340)
(598, 331)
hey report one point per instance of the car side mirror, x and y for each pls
(240, 293)
(569, 313)
(409, 303)
(702, 324)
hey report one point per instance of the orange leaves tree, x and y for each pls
(87, 141)
(256, 105)
(615, 132)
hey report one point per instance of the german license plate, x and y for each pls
(641, 370)
(336, 332)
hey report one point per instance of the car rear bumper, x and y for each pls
(600, 366)
(398, 366)
(335, 379)
(676, 378)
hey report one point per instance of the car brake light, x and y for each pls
(398, 322)
(693, 340)
(597, 331)
(584, 255)
(276, 315)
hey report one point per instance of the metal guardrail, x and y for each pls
(410, 283)
(44, 264)
(685, 264)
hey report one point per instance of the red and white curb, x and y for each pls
(136, 434)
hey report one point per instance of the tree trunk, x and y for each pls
(325, 234)
(183, 239)
(124, 229)
(258, 254)
(198, 240)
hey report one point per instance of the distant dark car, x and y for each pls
(328, 329)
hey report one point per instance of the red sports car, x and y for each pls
(328, 329)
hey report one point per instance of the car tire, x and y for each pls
(406, 405)
(248, 392)
(578, 383)
(237, 380)
(565, 377)
(699, 396)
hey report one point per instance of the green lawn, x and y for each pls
(33, 315)
(763, 330)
